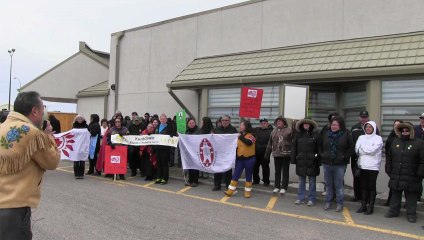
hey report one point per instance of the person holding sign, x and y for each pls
(117, 129)
(245, 159)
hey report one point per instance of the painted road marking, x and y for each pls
(149, 184)
(347, 216)
(303, 217)
(184, 190)
(271, 203)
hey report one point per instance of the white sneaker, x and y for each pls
(298, 202)
(310, 204)
(276, 190)
(282, 191)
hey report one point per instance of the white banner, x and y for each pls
(142, 140)
(213, 153)
(73, 144)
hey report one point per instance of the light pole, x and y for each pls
(11, 52)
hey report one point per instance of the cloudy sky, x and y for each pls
(46, 32)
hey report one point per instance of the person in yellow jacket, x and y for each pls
(26, 152)
(245, 159)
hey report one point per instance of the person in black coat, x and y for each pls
(135, 128)
(304, 153)
(405, 167)
(94, 129)
(55, 123)
(163, 152)
(262, 137)
(79, 166)
(225, 128)
(193, 174)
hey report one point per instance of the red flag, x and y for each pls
(250, 102)
(115, 160)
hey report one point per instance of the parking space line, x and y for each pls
(347, 216)
(271, 203)
(149, 184)
(346, 223)
(184, 190)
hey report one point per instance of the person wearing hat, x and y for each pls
(262, 136)
(356, 131)
(405, 167)
(279, 144)
(136, 128)
(419, 133)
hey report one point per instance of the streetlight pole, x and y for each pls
(11, 52)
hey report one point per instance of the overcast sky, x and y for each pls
(46, 32)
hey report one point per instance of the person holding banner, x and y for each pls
(193, 174)
(163, 152)
(118, 128)
(245, 159)
(280, 145)
(225, 128)
(148, 156)
(207, 128)
(79, 166)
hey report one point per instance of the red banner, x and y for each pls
(250, 102)
(115, 160)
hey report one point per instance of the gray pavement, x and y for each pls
(98, 208)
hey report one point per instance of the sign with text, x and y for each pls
(142, 140)
(115, 160)
(250, 102)
(181, 121)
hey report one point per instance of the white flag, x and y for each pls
(213, 153)
(73, 144)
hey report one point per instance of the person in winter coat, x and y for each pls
(55, 123)
(118, 128)
(193, 174)
(368, 148)
(225, 128)
(135, 128)
(335, 150)
(405, 167)
(207, 128)
(245, 159)
(163, 152)
(304, 153)
(95, 131)
(279, 144)
(262, 137)
(148, 156)
(79, 166)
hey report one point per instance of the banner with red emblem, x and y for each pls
(251, 102)
(115, 160)
(74, 144)
(213, 153)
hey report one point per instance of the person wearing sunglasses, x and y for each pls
(405, 167)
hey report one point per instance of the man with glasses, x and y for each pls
(405, 167)
(262, 137)
(225, 128)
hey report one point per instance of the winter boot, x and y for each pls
(248, 190)
(364, 199)
(231, 188)
(370, 209)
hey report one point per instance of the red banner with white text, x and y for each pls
(251, 102)
(115, 160)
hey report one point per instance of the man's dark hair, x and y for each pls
(134, 113)
(25, 101)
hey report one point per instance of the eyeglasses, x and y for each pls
(225, 120)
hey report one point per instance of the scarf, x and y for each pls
(334, 142)
(20, 140)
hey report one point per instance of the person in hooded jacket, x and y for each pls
(95, 131)
(368, 148)
(279, 144)
(304, 153)
(79, 166)
(262, 137)
(405, 167)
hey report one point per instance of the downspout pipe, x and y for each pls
(179, 102)
(119, 36)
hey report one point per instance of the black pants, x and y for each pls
(162, 163)
(134, 159)
(357, 182)
(368, 183)
(282, 163)
(92, 163)
(217, 178)
(79, 167)
(193, 176)
(147, 167)
(261, 161)
(396, 200)
(15, 223)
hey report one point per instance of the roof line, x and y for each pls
(190, 16)
(94, 54)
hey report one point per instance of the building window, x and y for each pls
(321, 103)
(354, 100)
(401, 100)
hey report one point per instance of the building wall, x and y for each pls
(65, 80)
(154, 55)
(91, 105)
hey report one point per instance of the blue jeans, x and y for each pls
(312, 195)
(334, 176)
(247, 164)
